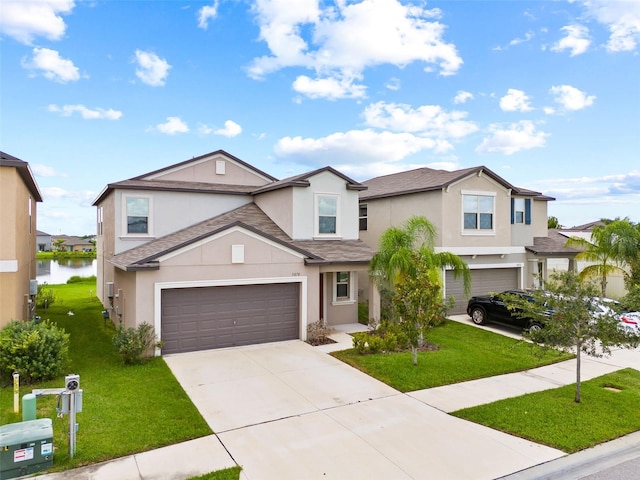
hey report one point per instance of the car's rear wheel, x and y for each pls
(535, 327)
(478, 315)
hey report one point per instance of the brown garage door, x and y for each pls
(214, 317)
(483, 281)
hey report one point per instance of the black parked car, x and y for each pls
(491, 308)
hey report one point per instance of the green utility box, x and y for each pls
(25, 447)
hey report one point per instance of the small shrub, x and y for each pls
(375, 343)
(360, 342)
(45, 296)
(390, 342)
(136, 345)
(37, 351)
(318, 332)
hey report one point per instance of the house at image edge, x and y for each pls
(19, 195)
(215, 253)
(498, 229)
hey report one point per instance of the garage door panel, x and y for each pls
(216, 317)
(483, 281)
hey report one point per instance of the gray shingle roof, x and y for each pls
(254, 219)
(552, 244)
(427, 179)
(302, 180)
(24, 171)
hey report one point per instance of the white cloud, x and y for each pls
(622, 18)
(46, 171)
(517, 136)
(231, 129)
(330, 88)
(152, 69)
(358, 147)
(86, 113)
(462, 97)
(347, 38)
(515, 101)
(52, 65)
(393, 84)
(24, 20)
(55, 192)
(571, 98)
(427, 120)
(206, 13)
(172, 126)
(577, 40)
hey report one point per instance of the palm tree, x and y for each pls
(399, 247)
(610, 248)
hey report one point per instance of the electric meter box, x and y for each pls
(25, 447)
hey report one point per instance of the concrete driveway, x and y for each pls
(288, 411)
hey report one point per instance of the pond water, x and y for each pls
(54, 272)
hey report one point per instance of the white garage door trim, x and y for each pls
(158, 287)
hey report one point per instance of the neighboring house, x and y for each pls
(616, 287)
(498, 229)
(69, 243)
(215, 253)
(19, 195)
(43, 241)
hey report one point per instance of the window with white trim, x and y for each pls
(478, 212)
(518, 210)
(327, 214)
(343, 288)
(100, 213)
(137, 215)
(362, 217)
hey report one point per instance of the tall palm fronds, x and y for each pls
(399, 247)
(610, 248)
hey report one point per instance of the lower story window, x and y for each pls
(342, 286)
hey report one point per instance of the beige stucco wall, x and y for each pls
(278, 205)
(169, 212)
(17, 245)
(209, 263)
(105, 246)
(205, 171)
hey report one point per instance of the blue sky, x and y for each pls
(544, 93)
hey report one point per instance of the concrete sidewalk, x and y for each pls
(367, 437)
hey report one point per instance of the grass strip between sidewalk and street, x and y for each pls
(126, 409)
(464, 353)
(608, 409)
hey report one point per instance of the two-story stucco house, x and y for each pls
(498, 229)
(19, 195)
(216, 253)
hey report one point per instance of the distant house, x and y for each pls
(19, 195)
(616, 287)
(43, 241)
(216, 253)
(69, 243)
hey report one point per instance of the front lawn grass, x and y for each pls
(552, 418)
(464, 353)
(126, 409)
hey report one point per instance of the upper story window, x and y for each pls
(362, 216)
(327, 214)
(521, 210)
(138, 215)
(478, 211)
(518, 210)
(30, 212)
(100, 215)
